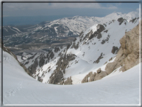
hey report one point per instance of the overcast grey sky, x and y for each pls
(33, 13)
(66, 9)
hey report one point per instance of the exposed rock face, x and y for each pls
(88, 34)
(130, 48)
(56, 77)
(62, 63)
(68, 81)
(100, 57)
(41, 61)
(33, 67)
(31, 57)
(40, 79)
(50, 55)
(87, 52)
(56, 49)
(126, 58)
(120, 20)
(97, 34)
(114, 49)
(105, 40)
(99, 70)
(94, 76)
(75, 46)
(128, 54)
(100, 28)
(133, 20)
(38, 61)
(89, 77)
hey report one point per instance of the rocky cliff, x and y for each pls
(128, 56)
(97, 52)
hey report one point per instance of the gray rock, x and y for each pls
(120, 20)
(97, 34)
(99, 70)
(100, 57)
(68, 81)
(56, 49)
(56, 77)
(114, 50)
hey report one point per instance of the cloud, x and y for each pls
(30, 9)
(81, 5)
(36, 6)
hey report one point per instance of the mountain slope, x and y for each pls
(54, 33)
(90, 51)
(19, 88)
(75, 24)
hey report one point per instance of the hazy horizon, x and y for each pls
(34, 13)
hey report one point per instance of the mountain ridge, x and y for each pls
(54, 33)
(65, 64)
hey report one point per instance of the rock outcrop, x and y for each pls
(120, 20)
(127, 56)
(56, 77)
(97, 34)
(114, 49)
(62, 63)
(68, 81)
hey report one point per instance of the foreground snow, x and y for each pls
(19, 88)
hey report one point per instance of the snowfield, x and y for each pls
(21, 89)
(88, 51)
(92, 50)
(80, 23)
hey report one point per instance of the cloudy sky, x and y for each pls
(32, 13)
(66, 9)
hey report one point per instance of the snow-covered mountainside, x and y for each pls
(54, 31)
(75, 24)
(78, 24)
(20, 88)
(87, 57)
(103, 52)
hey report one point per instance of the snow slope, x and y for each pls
(91, 50)
(88, 50)
(20, 88)
(81, 23)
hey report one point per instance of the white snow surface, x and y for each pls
(81, 23)
(20, 88)
(89, 51)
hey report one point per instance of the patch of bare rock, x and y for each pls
(127, 56)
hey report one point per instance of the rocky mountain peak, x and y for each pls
(90, 52)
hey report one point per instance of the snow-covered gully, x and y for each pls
(100, 67)
(20, 88)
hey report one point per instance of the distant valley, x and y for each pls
(49, 34)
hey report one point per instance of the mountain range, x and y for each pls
(103, 62)
(88, 56)
(49, 34)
